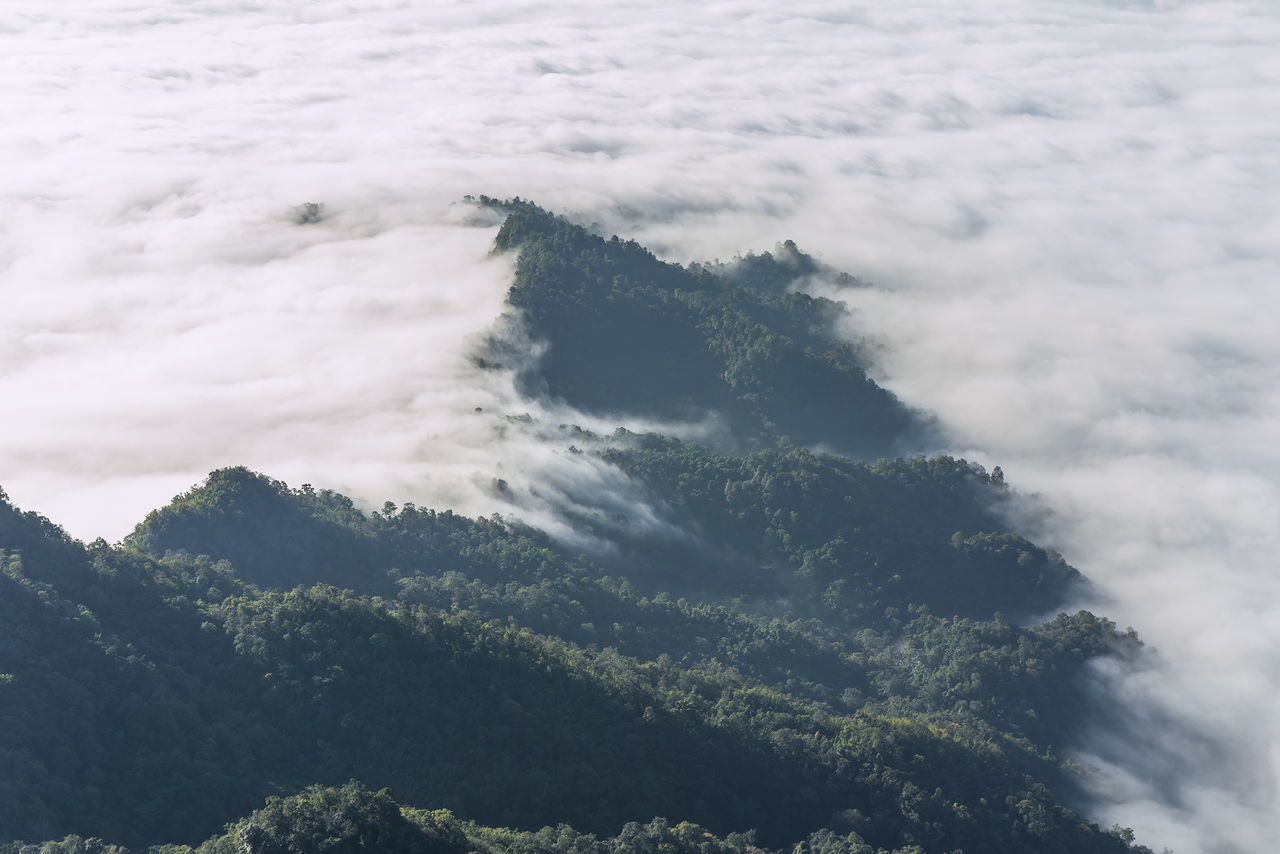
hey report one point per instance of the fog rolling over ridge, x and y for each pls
(1066, 210)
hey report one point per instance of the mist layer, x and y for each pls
(229, 238)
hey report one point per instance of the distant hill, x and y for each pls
(630, 334)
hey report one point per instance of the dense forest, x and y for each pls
(824, 649)
(632, 334)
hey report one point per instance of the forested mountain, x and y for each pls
(630, 334)
(813, 652)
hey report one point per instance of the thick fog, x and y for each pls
(229, 234)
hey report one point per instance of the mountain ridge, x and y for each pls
(829, 664)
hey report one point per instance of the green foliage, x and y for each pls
(315, 683)
(777, 271)
(275, 537)
(629, 333)
(815, 661)
(123, 708)
(70, 844)
(843, 538)
(346, 820)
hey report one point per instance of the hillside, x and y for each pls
(814, 652)
(630, 334)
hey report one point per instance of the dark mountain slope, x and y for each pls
(153, 714)
(771, 661)
(150, 717)
(118, 708)
(628, 333)
(826, 532)
(274, 538)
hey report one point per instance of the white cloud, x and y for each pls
(1068, 207)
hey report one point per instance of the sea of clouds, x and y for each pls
(230, 234)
